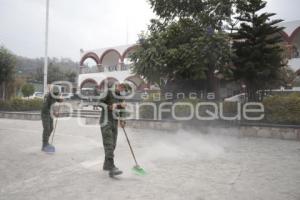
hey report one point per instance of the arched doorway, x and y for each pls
(110, 60)
(89, 63)
(137, 83)
(88, 87)
(126, 61)
(107, 83)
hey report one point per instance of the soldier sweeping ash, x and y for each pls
(113, 107)
(47, 120)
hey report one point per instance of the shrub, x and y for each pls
(18, 104)
(27, 90)
(146, 112)
(283, 109)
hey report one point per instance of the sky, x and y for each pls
(86, 24)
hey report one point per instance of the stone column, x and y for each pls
(120, 66)
(80, 69)
(100, 68)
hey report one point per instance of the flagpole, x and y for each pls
(46, 49)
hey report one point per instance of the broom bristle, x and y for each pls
(139, 171)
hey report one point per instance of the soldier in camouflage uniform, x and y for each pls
(114, 108)
(47, 119)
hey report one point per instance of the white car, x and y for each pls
(38, 95)
(236, 98)
(67, 95)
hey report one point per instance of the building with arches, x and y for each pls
(113, 64)
(108, 64)
(291, 40)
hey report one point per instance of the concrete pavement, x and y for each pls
(182, 165)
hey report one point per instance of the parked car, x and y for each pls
(67, 96)
(236, 98)
(39, 95)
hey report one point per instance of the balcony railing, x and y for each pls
(99, 69)
(88, 70)
(125, 67)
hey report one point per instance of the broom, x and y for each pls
(55, 125)
(136, 169)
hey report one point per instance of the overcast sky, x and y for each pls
(86, 24)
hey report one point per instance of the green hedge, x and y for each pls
(283, 109)
(18, 104)
(146, 112)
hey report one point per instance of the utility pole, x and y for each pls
(127, 29)
(46, 48)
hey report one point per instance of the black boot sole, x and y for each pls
(112, 174)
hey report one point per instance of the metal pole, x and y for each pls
(127, 29)
(46, 49)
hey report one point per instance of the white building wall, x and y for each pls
(99, 77)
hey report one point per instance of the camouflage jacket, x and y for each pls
(48, 102)
(109, 101)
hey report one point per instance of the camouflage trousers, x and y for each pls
(47, 126)
(109, 137)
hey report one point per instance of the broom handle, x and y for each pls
(130, 146)
(55, 125)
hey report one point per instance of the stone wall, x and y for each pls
(276, 132)
(21, 115)
(144, 124)
(270, 132)
(156, 125)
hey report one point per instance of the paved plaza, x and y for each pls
(182, 165)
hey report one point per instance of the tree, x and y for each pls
(18, 84)
(27, 90)
(70, 76)
(186, 43)
(55, 73)
(258, 53)
(29, 66)
(210, 13)
(7, 69)
(287, 77)
(296, 82)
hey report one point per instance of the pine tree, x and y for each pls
(257, 47)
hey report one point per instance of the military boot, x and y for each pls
(110, 166)
(48, 148)
(115, 172)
